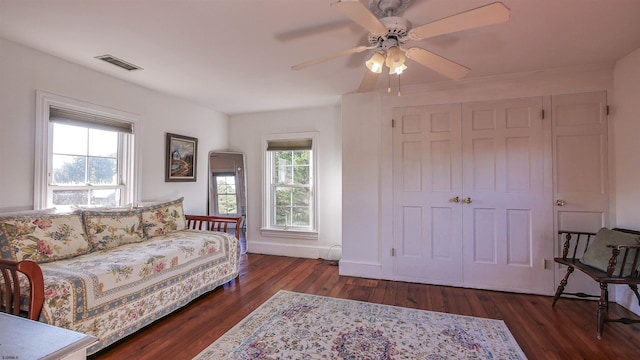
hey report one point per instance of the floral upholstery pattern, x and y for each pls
(112, 293)
(108, 229)
(42, 238)
(163, 218)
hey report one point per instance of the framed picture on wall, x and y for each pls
(181, 158)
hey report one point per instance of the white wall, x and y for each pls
(626, 117)
(367, 236)
(24, 70)
(245, 135)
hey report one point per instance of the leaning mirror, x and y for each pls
(227, 184)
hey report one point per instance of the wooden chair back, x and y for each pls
(10, 290)
(214, 223)
(575, 244)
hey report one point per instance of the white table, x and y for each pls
(23, 339)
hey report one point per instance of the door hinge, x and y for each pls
(542, 114)
(393, 252)
(393, 123)
(607, 109)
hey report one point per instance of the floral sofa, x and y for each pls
(107, 273)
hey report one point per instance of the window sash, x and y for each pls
(274, 206)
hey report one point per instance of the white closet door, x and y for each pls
(581, 176)
(506, 215)
(427, 179)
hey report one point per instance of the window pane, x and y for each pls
(282, 216)
(227, 204)
(301, 157)
(301, 175)
(103, 171)
(106, 197)
(300, 197)
(283, 196)
(282, 169)
(70, 197)
(226, 189)
(70, 140)
(300, 216)
(69, 170)
(103, 143)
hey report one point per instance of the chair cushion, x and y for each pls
(598, 254)
(110, 228)
(42, 238)
(163, 218)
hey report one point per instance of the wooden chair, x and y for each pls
(214, 223)
(619, 253)
(10, 287)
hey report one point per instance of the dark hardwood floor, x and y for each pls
(567, 331)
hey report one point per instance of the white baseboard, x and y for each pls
(268, 248)
(625, 297)
(360, 269)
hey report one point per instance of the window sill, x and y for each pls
(292, 234)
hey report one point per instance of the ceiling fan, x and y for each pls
(389, 32)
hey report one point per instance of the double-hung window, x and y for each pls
(226, 195)
(85, 156)
(290, 185)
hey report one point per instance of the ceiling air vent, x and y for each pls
(118, 62)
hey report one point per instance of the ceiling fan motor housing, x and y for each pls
(397, 30)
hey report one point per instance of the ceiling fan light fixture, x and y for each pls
(397, 69)
(375, 63)
(395, 60)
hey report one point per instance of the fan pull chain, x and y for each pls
(399, 93)
(389, 87)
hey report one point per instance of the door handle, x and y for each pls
(561, 202)
(456, 199)
(467, 200)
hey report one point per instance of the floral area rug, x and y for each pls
(300, 326)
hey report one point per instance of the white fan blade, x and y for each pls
(330, 57)
(485, 15)
(444, 66)
(359, 13)
(368, 82)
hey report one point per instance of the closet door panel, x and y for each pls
(581, 172)
(427, 220)
(505, 215)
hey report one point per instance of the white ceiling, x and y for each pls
(235, 56)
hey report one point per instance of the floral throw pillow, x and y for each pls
(163, 218)
(42, 238)
(110, 228)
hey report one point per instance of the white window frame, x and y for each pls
(43, 188)
(267, 229)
